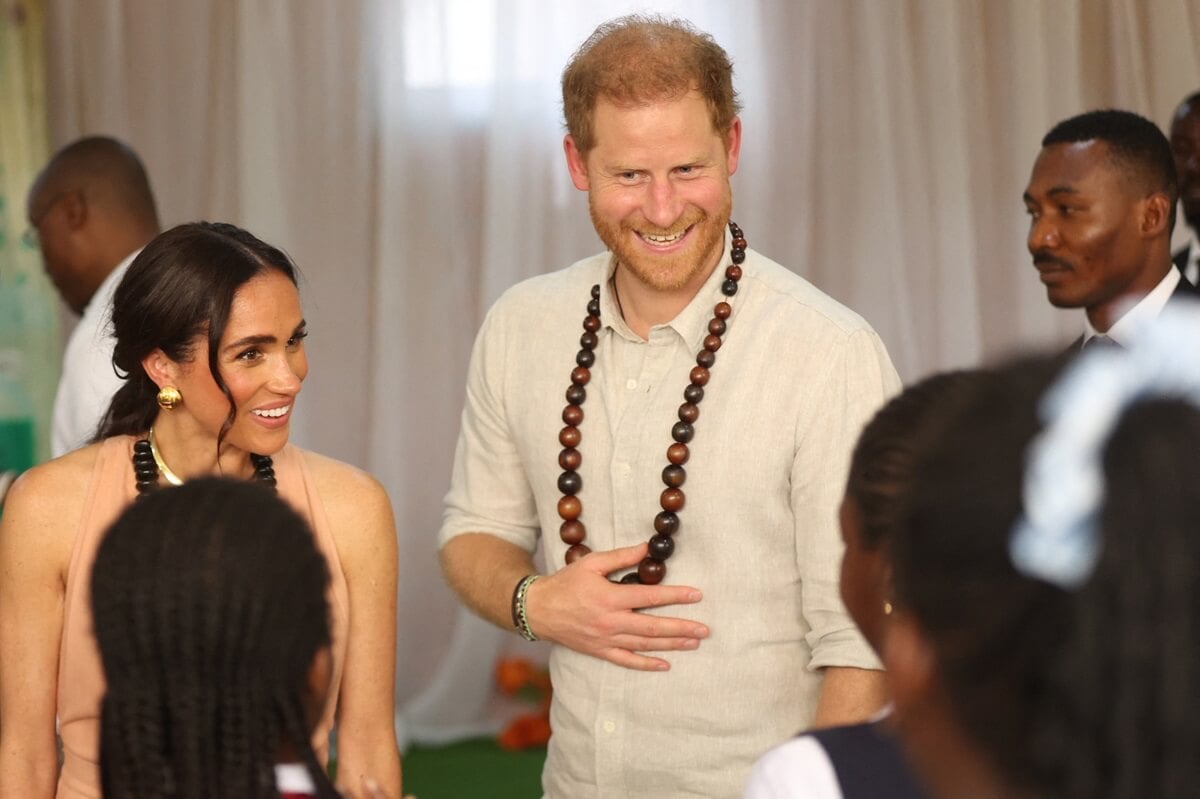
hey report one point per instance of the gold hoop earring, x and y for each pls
(168, 398)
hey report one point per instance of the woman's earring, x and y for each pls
(887, 608)
(169, 397)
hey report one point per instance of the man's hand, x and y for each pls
(580, 608)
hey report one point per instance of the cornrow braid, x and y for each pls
(209, 608)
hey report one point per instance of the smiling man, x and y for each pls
(1101, 202)
(676, 415)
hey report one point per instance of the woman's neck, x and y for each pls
(191, 452)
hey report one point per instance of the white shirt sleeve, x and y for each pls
(797, 769)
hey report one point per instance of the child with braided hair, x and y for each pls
(1046, 636)
(210, 612)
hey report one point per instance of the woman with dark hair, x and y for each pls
(216, 652)
(1046, 638)
(863, 761)
(210, 339)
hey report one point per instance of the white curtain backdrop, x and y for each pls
(407, 153)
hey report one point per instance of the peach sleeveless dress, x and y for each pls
(80, 674)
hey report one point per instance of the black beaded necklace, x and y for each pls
(146, 467)
(652, 569)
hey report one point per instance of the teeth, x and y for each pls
(274, 413)
(658, 239)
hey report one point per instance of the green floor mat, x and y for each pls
(474, 769)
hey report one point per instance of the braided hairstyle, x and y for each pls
(881, 467)
(180, 286)
(1085, 693)
(209, 608)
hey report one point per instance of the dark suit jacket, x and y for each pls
(1181, 258)
(1184, 290)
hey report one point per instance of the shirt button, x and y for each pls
(609, 726)
(631, 384)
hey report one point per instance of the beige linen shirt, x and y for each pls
(795, 380)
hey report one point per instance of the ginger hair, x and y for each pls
(636, 60)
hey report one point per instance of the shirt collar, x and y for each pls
(1137, 313)
(294, 778)
(109, 285)
(691, 324)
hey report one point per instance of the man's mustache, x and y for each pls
(1045, 258)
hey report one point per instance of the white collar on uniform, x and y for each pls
(294, 778)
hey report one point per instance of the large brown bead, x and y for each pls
(712, 343)
(677, 453)
(591, 324)
(738, 242)
(576, 394)
(672, 476)
(570, 483)
(569, 436)
(631, 579)
(682, 432)
(585, 358)
(569, 508)
(572, 532)
(706, 358)
(596, 286)
(576, 552)
(661, 547)
(688, 412)
(716, 327)
(572, 415)
(580, 375)
(733, 272)
(693, 393)
(699, 376)
(672, 499)
(737, 256)
(651, 571)
(666, 523)
(570, 458)
(589, 340)
(722, 310)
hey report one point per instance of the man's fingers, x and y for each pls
(637, 643)
(646, 626)
(613, 560)
(656, 596)
(632, 660)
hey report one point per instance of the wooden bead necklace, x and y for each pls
(652, 569)
(148, 464)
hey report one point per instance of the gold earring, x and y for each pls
(168, 398)
(887, 608)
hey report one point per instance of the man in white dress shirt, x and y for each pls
(91, 211)
(1101, 202)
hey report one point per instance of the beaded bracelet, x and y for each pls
(520, 619)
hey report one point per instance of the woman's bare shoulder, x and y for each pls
(337, 479)
(46, 502)
(356, 503)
